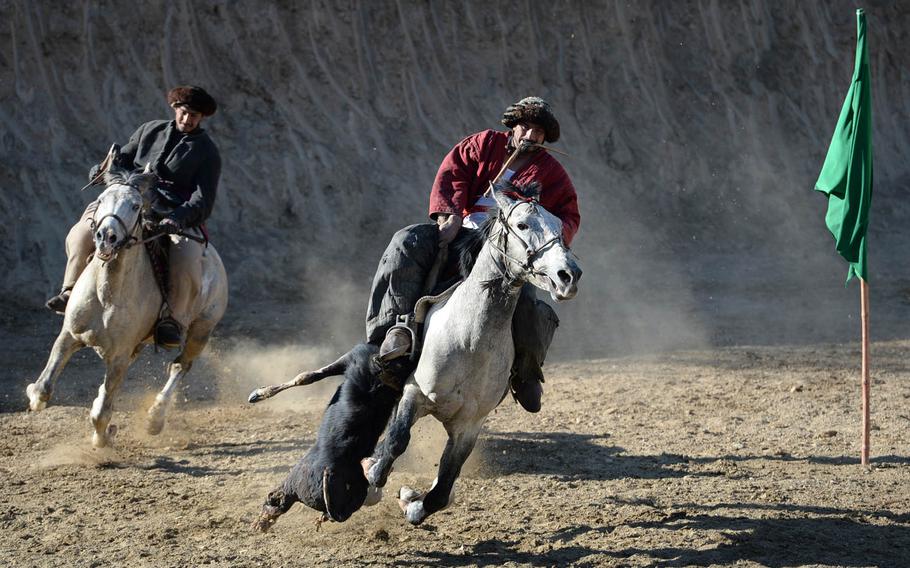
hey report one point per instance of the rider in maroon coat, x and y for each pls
(457, 200)
(467, 170)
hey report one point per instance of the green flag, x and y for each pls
(846, 176)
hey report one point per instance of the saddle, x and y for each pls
(413, 323)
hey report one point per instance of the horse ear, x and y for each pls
(145, 181)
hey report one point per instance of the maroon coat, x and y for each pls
(467, 170)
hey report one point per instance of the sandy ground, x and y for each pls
(731, 457)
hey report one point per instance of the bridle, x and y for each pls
(131, 238)
(499, 243)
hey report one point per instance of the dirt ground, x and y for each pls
(731, 457)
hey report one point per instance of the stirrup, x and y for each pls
(400, 340)
(168, 334)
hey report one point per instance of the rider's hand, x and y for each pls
(448, 227)
(169, 226)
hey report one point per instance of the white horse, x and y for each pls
(116, 302)
(463, 372)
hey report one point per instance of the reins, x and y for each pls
(132, 240)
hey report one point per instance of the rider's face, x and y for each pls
(186, 118)
(530, 131)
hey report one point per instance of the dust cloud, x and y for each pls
(242, 368)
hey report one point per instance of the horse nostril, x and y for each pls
(98, 235)
(112, 239)
(564, 276)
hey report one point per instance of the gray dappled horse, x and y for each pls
(115, 304)
(463, 371)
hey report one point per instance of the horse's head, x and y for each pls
(531, 244)
(116, 220)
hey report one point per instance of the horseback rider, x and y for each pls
(458, 203)
(188, 167)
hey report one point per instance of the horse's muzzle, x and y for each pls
(565, 285)
(107, 244)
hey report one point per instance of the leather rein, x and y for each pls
(132, 240)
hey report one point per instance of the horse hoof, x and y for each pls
(155, 423)
(99, 441)
(35, 404)
(106, 439)
(256, 395)
(406, 496)
(415, 513)
(154, 426)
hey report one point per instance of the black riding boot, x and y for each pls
(58, 303)
(533, 326)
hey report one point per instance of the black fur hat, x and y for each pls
(193, 97)
(536, 110)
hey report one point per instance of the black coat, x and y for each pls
(189, 166)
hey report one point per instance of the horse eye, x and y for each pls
(522, 227)
(136, 207)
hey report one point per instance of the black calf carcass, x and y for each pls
(330, 478)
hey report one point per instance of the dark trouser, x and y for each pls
(401, 277)
(400, 281)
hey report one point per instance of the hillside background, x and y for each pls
(696, 131)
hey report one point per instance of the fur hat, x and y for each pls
(536, 110)
(193, 97)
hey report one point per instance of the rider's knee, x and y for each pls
(417, 244)
(79, 239)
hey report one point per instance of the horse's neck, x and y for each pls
(124, 277)
(487, 306)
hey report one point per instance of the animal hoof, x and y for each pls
(256, 395)
(35, 403)
(154, 426)
(415, 513)
(374, 496)
(106, 439)
(263, 523)
(406, 496)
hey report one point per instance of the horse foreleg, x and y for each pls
(195, 343)
(40, 391)
(102, 407)
(396, 440)
(458, 448)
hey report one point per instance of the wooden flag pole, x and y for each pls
(864, 315)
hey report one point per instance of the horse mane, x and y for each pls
(138, 179)
(121, 176)
(467, 245)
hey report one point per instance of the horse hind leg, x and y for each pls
(102, 407)
(416, 507)
(40, 391)
(157, 414)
